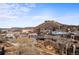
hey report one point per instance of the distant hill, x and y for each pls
(49, 25)
(53, 25)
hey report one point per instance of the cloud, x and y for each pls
(36, 20)
(15, 14)
(42, 17)
(7, 16)
(14, 10)
(71, 19)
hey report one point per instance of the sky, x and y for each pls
(33, 14)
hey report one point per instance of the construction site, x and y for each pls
(48, 38)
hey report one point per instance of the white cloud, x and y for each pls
(7, 16)
(71, 19)
(14, 14)
(42, 17)
(14, 10)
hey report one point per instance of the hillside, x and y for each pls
(49, 25)
(53, 25)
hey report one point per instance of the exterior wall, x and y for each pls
(27, 30)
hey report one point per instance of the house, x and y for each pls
(59, 33)
(9, 35)
(32, 35)
(22, 35)
(27, 30)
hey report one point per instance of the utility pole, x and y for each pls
(74, 47)
(66, 48)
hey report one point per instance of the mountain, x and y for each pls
(53, 25)
(49, 25)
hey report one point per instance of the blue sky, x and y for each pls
(31, 14)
